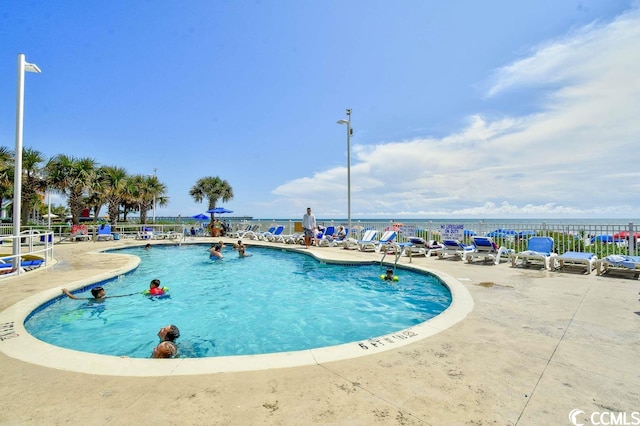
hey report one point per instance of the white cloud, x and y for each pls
(576, 157)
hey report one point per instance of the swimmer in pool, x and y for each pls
(155, 289)
(98, 294)
(389, 276)
(242, 252)
(214, 252)
(167, 347)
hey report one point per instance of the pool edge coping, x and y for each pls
(29, 349)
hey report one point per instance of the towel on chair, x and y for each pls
(622, 260)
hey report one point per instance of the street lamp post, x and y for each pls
(154, 197)
(17, 179)
(349, 131)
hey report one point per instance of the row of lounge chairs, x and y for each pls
(26, 264)
(327, 237)
(539, 251)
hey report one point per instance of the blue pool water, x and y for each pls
(272, 301)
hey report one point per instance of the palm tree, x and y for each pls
(114, 190)
(72, 177)
(6, 173)
(34, 183)
(213, 189)
(142, 191)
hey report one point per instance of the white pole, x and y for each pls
(17, 179)
(49, 209)
(154, 199)
(348, 123)
(349, 168)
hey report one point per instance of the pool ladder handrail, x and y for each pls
(397, 250)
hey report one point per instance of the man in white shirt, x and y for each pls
(309, 226)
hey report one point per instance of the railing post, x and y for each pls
(632, 240)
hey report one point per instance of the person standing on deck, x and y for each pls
(309, 226)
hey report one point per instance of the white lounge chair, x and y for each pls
(619, 263)
(386, 242)
(420, 247)
(352, 243)
(539, 249)
(249, 228)
(79, 232)
(577, 259)
(295, 238)
(146, 233)
(453, 248)
(368, 241)
(487, 249)
(254, 235)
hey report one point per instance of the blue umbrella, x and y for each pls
(200, 216)
(219, 210)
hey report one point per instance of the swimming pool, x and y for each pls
(273, 301)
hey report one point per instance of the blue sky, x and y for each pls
(465, 109)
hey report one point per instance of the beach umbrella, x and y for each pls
(469, 233)
(219, 210)
(200, 216)
(526, 233)
(602, 239)
(47, 216)
(622, 235)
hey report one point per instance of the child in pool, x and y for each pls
(155, 289)
(389, 276)
(98, 293)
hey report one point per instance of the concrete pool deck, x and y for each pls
(536, 346)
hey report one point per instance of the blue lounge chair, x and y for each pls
(275, 235)
(577, 259)
(335, 240)
(327, 236)
(487, 249)
(539, 249)
(104, 233)
(26, 265)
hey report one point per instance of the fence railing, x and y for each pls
(18, 249)
(601, 239)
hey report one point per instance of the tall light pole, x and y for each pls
(17, 179)
(349, 131)
(154, 198)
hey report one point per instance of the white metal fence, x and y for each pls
(601, 239)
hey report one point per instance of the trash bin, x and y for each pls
(116, 236)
